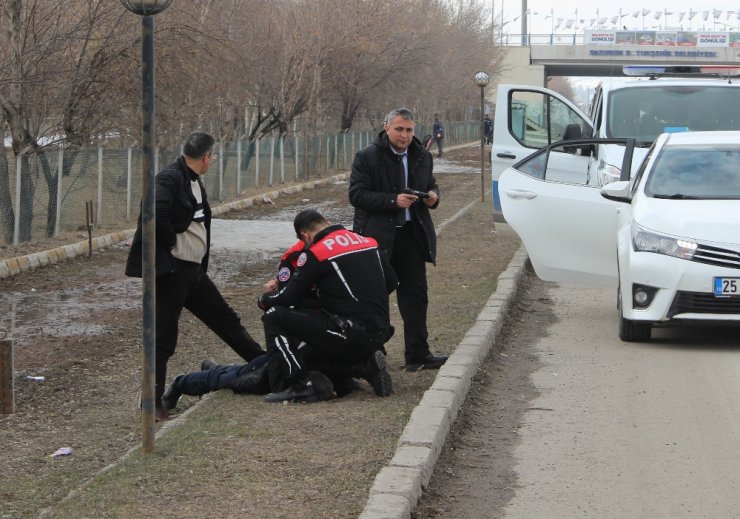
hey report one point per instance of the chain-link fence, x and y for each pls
(45, 193)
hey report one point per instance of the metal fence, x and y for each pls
(50, 192)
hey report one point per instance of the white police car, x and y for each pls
(669, 238)
(639, 108)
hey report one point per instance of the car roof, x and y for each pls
(645, 82)
(714, 137)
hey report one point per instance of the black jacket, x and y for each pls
(377, 177)
(352, 276)
(175, 208)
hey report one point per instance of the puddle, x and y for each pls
(65, 312)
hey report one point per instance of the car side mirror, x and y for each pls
(617, 191)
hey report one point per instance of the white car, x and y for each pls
(639, 107)
(669, 238)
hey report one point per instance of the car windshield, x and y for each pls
(699, 172)
(646, 112)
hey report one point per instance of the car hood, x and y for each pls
(703, 221)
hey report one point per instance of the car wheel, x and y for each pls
(629, 330)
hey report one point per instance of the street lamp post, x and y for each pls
(147, 9)
(481, 79)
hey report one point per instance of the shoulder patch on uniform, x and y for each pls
(283, 274)
(302, 259)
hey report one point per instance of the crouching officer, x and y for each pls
(343, 338)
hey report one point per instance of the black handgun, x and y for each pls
(420, 194)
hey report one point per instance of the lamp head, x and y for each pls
(146, 7)
(481, 79)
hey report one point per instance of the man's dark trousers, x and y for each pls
(407, 259)
(189, 287)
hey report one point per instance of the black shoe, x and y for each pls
(315, 388)
(431, 361)
(345, 386)
(171, 396)
(376, 373)
(209, 364)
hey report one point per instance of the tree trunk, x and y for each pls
(7, 216)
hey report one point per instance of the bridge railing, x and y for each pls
(513, 40)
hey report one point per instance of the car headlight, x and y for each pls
(646, 241)
(608, 173)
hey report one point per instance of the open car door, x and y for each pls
(528, 118)
(568, 228)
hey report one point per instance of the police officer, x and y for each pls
(346, 335)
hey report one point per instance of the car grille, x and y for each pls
(716, 256)
(703, 303)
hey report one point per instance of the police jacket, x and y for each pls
(352, 276)
(377, 177)
(175, 208)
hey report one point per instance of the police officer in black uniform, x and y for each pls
(345, 337)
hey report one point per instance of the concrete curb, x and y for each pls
(399, 485)
(13, 266)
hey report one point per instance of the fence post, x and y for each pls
(220, 171)
(344, 150)
(272, 160)
(60, 174)
(129, 164)
(7, 394)
(282, 159)
(238, 167)
(257, 162)
(295, 154)
(99, 216)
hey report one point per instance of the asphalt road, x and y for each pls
(600, 428)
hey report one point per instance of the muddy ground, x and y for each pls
(77, 325)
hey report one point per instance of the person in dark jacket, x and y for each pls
(438, 134)
(344, 336)
(183, 238)
(400, 222)
(488, 128)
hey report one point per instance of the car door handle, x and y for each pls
(520, 193)
(506, 155)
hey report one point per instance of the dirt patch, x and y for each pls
(236, 455)
(474, 476)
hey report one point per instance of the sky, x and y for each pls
(540, 21)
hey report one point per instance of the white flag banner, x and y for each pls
(717, 13)
(558, 23)
(636, 14)
(657, 14)
(645, 12)
(602, 20)
(680, 16)
(692, 14)
(614, 19)
(729, 13)
(705, 15)
(569, 24)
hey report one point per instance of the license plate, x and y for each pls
(726, 287)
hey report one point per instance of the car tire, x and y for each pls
(632, 331)
(629, 330)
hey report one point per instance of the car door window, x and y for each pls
(538, 119)
(561, 163)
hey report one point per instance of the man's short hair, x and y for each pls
(306, 220)
(405, 113)
(198, 144)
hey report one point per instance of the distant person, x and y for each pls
(488, 128)
(438, 134)
(345, 336)
(400, 222)
(183, 239)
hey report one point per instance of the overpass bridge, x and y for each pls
(530, 59)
